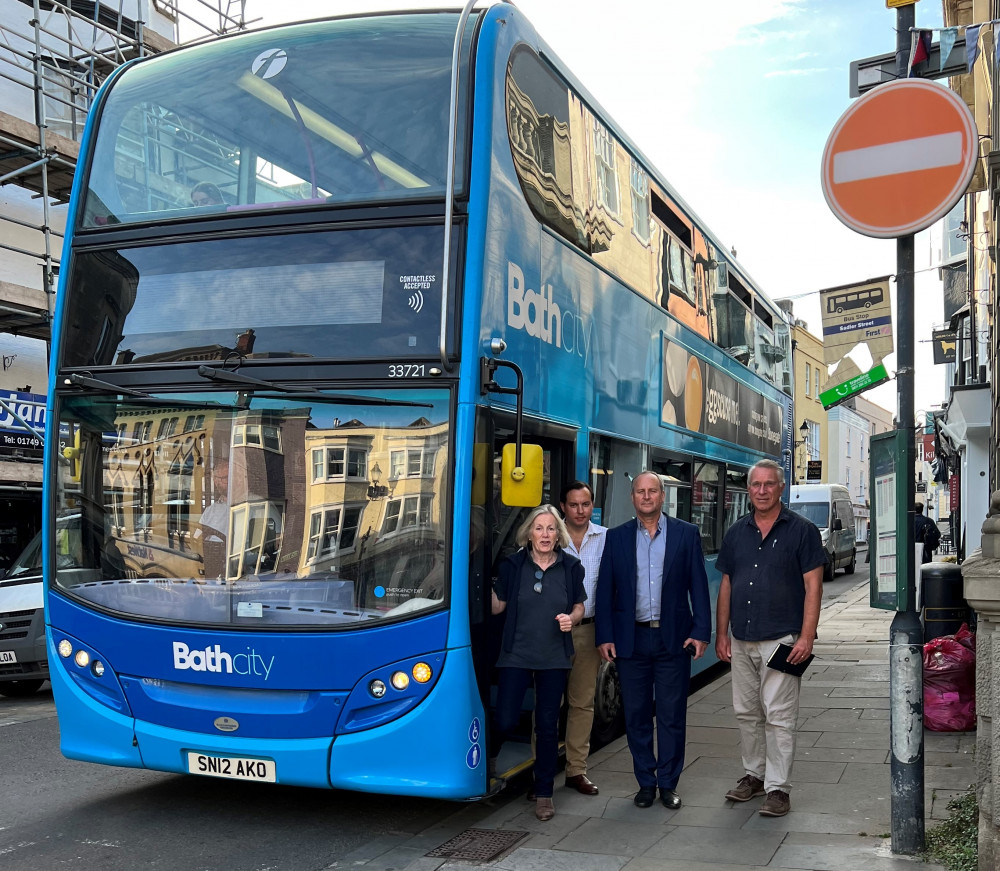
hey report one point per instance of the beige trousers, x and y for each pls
(580, 699)
(766, 702)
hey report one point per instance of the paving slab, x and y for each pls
(799, 821)
(844, 721)
(717, 735)
(872, 808)
(861, 690)
(842, 852)
(721, 751)
(853, 740)
(707, 791)
(875, 714)
(624, 809)
(610, 781)
(732, 817)
(817, 699)
(527, 859)
(733, 846)
(613, 837)
(620, 761)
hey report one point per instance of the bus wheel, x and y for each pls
(609, 715)
(18, 689)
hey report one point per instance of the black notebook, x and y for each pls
(779, 661)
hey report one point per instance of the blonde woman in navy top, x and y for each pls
(541, 590)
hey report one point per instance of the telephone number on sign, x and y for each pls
(233, 767)
(407, 370)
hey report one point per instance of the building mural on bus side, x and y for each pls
(583, 183)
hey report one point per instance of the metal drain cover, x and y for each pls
(478, 845)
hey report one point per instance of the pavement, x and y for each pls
(841, 810)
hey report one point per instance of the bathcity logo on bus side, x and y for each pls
(540, 316)
(215, 659)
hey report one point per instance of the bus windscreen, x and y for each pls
(335, 112)
(254, 510)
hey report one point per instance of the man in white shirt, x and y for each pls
(586, 543)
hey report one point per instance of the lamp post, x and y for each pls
(804, 432)
(375, 490)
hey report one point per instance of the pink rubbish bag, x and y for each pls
(950, 684)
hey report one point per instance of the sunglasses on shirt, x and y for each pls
(539, 574)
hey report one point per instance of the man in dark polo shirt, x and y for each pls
(772, 563)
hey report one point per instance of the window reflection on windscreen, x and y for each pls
(271, 512)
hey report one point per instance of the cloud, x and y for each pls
(801, 71)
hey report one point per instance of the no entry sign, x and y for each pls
(899, 158)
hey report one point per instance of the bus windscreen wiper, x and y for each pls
(141, 398)
(104, 386)
(225, 375)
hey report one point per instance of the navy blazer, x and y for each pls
(685, 606)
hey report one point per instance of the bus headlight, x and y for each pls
(97, 668)
(65, 648)
(389, 692)
(82, 658)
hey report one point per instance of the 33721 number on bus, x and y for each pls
(407, 370)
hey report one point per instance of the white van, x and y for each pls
(24, 666)
(829, 507)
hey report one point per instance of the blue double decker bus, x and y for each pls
(338, 301)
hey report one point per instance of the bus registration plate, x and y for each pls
(233, 767)
(7, 656)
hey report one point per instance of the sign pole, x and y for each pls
(906, 705)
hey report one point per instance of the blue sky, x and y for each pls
(733, 100)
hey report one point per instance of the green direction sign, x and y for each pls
(871, 378)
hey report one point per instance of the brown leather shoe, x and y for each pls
(777, 804)
(544, 809)
(581, 783)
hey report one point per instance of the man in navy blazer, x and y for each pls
(653, 615)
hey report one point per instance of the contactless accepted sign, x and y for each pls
(871, 378)
(899, 158)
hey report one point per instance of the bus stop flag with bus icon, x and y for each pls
(853, 315)
(895, 163)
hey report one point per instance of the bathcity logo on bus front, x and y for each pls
(540, 316)
(215, 659)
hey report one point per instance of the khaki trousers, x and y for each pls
(580, 698)
(766, 702)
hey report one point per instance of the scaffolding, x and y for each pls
(54, 56)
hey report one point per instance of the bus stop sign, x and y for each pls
(899, 158)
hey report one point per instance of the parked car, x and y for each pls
(829, 507)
